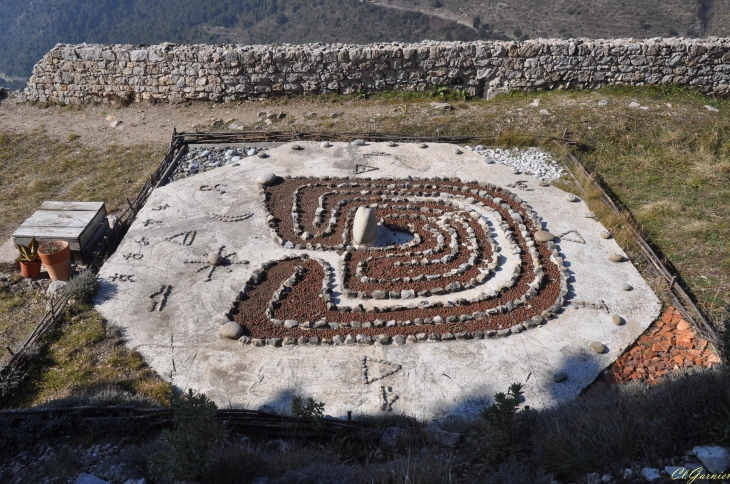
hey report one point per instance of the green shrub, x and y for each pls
(191, 443)
(499, 434)
(83, 287)
(307, 408)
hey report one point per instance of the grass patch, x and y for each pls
(35, 167)
(82, 357)
(21, 307)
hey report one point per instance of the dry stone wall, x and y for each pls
(174, 73)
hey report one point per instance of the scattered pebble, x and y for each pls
(559, 376)
(598, 347)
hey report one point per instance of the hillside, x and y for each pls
(30, 28)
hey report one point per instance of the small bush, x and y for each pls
(421, 468)
(63, 463)
(499, 435)
(83, 287)
(307, 408)
(191, 443)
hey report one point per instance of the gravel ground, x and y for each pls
(198, 160)
(532, 161)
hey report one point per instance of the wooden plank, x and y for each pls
(79, 206)
(88, 232)
(60, 218)
(48, 233)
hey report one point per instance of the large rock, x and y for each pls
(543, 236)
(56, 288)
(716, 459)
(90, 479)
(364, 227)
(231, 330)
(266, 179)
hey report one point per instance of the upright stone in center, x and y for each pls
(364, 227)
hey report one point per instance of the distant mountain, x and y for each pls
(29, 28)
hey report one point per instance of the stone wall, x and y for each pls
(169, 72)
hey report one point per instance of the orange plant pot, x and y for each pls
(58, 263)
(30, 270)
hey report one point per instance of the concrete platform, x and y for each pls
(171, 315)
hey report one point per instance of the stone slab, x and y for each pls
(436, 380)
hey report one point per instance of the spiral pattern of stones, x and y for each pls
(445, 216)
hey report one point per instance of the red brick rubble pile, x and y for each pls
(668, 345)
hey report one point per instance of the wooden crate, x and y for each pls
(75, 222)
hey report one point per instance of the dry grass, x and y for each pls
(84, 356)
(21, 307)
(35, 167)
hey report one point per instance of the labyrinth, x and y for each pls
(386, 292)
(374, 277)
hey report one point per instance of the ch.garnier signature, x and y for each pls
(690, 475)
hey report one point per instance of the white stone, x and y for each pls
(543, 236)
(716, 459)
(231, 330)
(711, 108)
(266, 179)
(634, 104)
(90, 479)
(650, 474)
(56, 288)
(364, 227)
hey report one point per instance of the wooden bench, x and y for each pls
(81, 224)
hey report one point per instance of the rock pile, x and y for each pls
(199, 160)
(532, 161)
(89, 73)
(669, 344)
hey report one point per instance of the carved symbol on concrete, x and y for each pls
(389, 399)
(150, 221)
(187, 238)
(132, 256)
(218, 187)
(572, 236)
(375, 153)
(122, 277)
(163, 291)
(212, 262)
(601, 306)
(231, 218)
(521, 184)
(161, 207)
(367, 379)
(359, 169)
(142, 241)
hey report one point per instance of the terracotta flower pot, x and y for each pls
(57, 263)
(30, 270)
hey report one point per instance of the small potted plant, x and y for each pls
(56, 256)
(30, 263)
